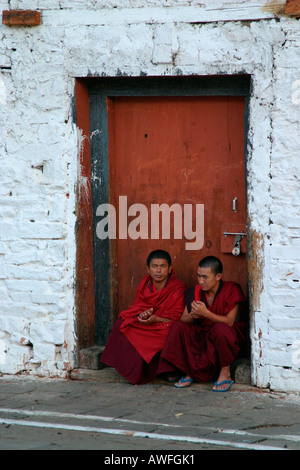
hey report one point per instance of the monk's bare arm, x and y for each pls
(186, 317)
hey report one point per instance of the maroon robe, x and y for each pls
(201, 348)
(133, 348)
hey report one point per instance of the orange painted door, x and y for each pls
(176, 150)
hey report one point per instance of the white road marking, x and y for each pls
(130, 433)
(83, 417)
(133, 433)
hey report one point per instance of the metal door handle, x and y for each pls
(234, 204)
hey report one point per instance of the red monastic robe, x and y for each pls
(167, 303)
(199, 349)
(131, 345)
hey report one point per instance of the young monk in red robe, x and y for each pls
(209, 336)
(139, 334)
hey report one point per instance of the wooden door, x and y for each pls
(176, 150)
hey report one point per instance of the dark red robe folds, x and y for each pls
(199, 349)
(133, 348)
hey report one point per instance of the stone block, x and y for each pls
(241, 371)
(89, 358)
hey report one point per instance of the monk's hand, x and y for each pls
(153, 319)
(149, 320)
(198, 309)
(145, 315)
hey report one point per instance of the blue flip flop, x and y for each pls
(230, 382)
(181, 381)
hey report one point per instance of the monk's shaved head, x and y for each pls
(213, 263)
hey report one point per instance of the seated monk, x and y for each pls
(209, 336)
(139, 334)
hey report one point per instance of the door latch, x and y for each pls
(236, 251)
(236, 246)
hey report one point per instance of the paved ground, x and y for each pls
(103, 412)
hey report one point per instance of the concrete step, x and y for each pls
(91, 368)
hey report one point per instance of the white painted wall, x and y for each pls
(38, 158)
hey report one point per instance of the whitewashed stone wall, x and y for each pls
(38, 159)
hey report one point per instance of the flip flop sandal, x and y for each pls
(181, 381)
(230, 382)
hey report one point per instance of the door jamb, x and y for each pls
(88, 91)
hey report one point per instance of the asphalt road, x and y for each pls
(148, 422)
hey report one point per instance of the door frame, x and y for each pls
(93, 275)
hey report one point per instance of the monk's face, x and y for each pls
(159, 270)
(207, 279)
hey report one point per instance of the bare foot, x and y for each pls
(172, 378)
